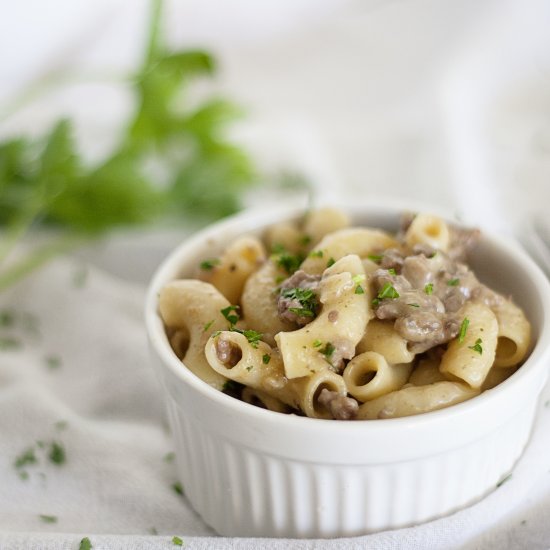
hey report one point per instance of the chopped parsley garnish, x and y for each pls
(176, 541)
(289, 262)
(7, 318)
(331, 262)
(208, 325)
(359, 290)
(208, 265)
(301, 312)
(61, 425)
(359, 278)
(388, 291)
(230, 313)
(26, 458)
(266, 358)
(453, 282)
(327, 351)
(414, 305)
(307, 299)
(8, 342)
(316, 254)
(317, 343)
(252, 336)
(304, 240)
(463, 329)
(429, 289)
(53, 361)
(169, 457)
(178, 488)
(215, 334)
(57, 453)
(85, 544)
(48, 519)
(279, 279)
(477, 346)
(376, 258)
(392, 271)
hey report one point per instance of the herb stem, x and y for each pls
(36, 259)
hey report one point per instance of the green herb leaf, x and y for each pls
(231, 314)
(316, 254)
(453, 282)
(392, 271)
(317, 343)
(169, 457)
(53, 361)
(266, 358)
(289, 262)
(414, 305)
(177, 541)
(387, 291)
(48, 519)
(307, 299)
(327, 351)
(463, 329)
(9, 343)
(252, 336)
(477, 347)
(376, 258)
(178, 488)
(359, 290)
(208, 325)
(429, 288)
(208, 265)
(304, 240)
(26, 458)
(331, 262)
(57, 454)
(85, 544)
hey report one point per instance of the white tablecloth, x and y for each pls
(82, 359)
(366, 98)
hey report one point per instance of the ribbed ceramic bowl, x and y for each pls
(253, 472)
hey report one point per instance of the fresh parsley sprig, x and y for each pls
(46, 181)
(387, 291)
(307, 299)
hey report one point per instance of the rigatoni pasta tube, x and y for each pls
(355, 240)
(381, 337)
(237, 263)
(340, 323)
(321, 222)
(369, 375)
(430, 230)
(514, 334)
(238, 360)
(426, 372)
(259, 302)
(194, 307)
(470, 356)
(415, 400)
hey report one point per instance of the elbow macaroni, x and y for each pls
(230, 327)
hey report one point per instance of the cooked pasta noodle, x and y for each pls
(346, 322)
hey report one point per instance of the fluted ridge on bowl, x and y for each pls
(266, 495)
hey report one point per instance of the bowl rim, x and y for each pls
(254, 219)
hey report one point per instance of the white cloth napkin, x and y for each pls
(75, 352)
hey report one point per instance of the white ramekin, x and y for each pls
(252, 472)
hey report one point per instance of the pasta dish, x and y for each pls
(320, 318)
